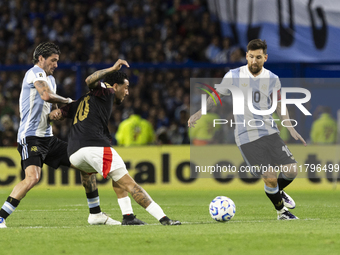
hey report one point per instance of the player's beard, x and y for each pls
(254, 69)
(118, 101)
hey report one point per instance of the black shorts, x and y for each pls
(267, 151)
(43, 150)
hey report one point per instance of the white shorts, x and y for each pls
(103, 160)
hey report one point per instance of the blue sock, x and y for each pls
(93, 201)
(8, 207)
(274, 195)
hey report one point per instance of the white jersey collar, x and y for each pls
(252, 76)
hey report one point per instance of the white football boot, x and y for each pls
(101, 219)
(287, 200)
(284, 214)
(2, 223)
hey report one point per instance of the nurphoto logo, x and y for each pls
(239, 103)
(204, 97)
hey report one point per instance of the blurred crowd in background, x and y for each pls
(139, 31)
(103, 31)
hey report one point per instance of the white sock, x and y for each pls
(125, 205)
(155, 210)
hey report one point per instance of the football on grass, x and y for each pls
(222, 208)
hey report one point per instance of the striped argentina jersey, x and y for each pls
(34, 110)
(250, 127)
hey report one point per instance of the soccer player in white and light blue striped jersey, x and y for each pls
(34, 109)
(260, 145)
(38, 146)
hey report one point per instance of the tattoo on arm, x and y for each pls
(96, 76)
(41, 87)
(47, 95)
(140, 196)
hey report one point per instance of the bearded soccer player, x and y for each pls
(89, 144)
(261, 146)
(38, 146)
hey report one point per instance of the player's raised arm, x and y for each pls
(49, 96)
(91, 80)
(290, 127)
(196, 116)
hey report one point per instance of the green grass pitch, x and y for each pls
(55, 222)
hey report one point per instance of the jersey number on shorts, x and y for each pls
(82, 110)
(285, 149)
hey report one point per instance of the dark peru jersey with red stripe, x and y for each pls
(90, 116)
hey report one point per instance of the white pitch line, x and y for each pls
(154, 224)
(55, 210)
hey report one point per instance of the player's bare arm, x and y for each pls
(91, 81)
(289, 125)
(49, 96)
(196, 116)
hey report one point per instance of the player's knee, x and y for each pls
(31, 181)
(270, 182)
(290, 171)
(127, 183)
(32, 176)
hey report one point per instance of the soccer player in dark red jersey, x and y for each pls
(89, 146)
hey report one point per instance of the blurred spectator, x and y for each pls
(7, 132)
(213, 49)
(135, 131)
(324, 129)
(224, 55)
(203, 133)
(238, 56)
(162, 119)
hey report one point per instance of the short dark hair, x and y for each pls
(115, 77)
(257, 44)
(45, 49)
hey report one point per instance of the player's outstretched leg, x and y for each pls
(32, 177)
(96, 217)
(124, 202)
(284, 180)
(271, 188)
(144, 200)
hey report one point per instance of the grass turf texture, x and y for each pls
(55, 222)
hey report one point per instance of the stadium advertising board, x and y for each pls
(168, 167)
